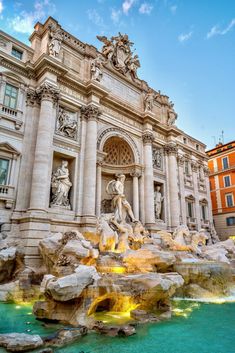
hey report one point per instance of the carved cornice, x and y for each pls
(148, 137)
(171, 148)
(48, 91)
(90, 112)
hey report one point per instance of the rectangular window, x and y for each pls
(4, 167)
(204, 212)
(197, 147)
(230, 221)
(225, 162)
(10, 97)
(186, 167)
(185, 140)
(229, 200)
(17, 53)
(190, 209)
(227, 181)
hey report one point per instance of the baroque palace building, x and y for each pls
(72, 118)
(222, 182)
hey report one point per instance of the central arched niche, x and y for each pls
(118, 152)
(119, 159)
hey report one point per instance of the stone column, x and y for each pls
(41, 179)
(148, 178)
(171, 151)
(91, 113)
(194, 167)
(135, 183)
(29, 142)
(180, 159)
(98, 186)
(208, 194)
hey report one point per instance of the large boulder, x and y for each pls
(71, 286)
(148, 259)
(20, 342)
(62, 253)
(7, 263)
(215, 277)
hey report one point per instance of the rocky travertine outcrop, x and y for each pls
(61, 253)
(111, 292)
(213, 277)
(20, 342)
(71, 286)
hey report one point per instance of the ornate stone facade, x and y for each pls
(81, 118)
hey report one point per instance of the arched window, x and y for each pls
(118, 152)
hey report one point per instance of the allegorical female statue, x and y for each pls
(60, 185)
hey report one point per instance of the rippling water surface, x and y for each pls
(195, 328)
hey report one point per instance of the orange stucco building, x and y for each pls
(221, 164)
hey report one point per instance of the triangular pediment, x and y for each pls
(8, 148)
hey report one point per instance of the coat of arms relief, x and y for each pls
(117, 50)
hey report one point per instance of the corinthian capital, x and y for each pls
(171, 148)
(194, 166)
(90, 112)
(147, 137)
(32, 98)
(48, 91)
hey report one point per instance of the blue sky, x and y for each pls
(186, 49)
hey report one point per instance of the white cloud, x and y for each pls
(183, 37)
(25, 21)
(95, 17)
(1, 7)
(127, 5)
(215, 30)
(115, 15)
(173, 9)
(145, 8)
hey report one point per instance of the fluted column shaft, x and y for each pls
(135, 183)
(148, 178)
(182, 189)
(29, 142)
(98, 187)
(171, 151)
(40, 190)
(194, 167)
(90, 113)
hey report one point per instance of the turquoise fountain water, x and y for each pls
(194, 328)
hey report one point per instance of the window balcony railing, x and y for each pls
(9, 111)
(7, 194)
(205, 221)
(191, 220)
(14, 115)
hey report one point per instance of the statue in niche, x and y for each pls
(55, 41)
(157, 158)
(60, 186)
(149, 100)
(121, 206)
(66, 124)
(130, 232)
(96, 68)
(158, 198)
